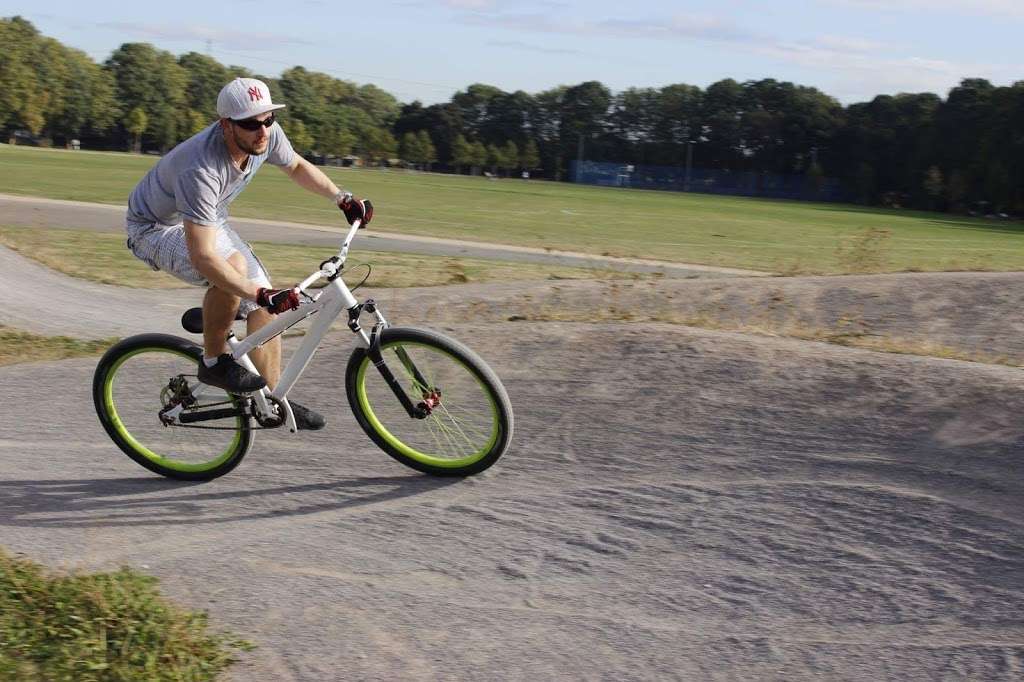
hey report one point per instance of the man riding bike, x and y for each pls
(177, 222)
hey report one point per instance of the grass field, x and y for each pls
(778, 236)
(102, 257)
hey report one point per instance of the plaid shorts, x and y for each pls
(163, 247)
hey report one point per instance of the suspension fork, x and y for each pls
(415, 411)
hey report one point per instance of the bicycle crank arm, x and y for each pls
(208, 415)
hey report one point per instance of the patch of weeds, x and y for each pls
(848, 329)
(101, 627)
(864, 251)
(21, 346)
(851, 332)
(455, 272)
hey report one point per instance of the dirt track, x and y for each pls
(678, 503)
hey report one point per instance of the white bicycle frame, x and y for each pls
(327, 304)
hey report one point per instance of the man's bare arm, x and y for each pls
(201, 241)
(309, 177)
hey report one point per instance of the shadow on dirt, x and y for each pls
(107, 503)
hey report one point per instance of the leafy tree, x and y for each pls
(546, 126)
(300, 138)
(89, 102)
(442, 120)
(475, 107)
(381, 106)
(632, 121)
(18, 81)
(151, 80)
(336, 142)
(339, 115)
(428, 154)
(866, 186)
(584, 109)
(721, 114)
(956, 190)
(478, 155)
(508, 117)
(205, 77)
(378, 145)
(194, 123)
(462, 153)
(410, 149)
(934, 186)
(530, 157)
(136, 124)
(509, 157)
(494, 157)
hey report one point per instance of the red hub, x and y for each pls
(430, 401)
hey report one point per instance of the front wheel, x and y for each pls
(142, 377)
(464, 418)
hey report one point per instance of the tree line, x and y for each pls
(919, 150)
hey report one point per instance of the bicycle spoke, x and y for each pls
(461, 423)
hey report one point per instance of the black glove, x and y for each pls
(278, 300)
(355, 209)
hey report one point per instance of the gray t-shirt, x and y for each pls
(196, 180)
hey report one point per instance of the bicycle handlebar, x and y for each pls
(333, 266)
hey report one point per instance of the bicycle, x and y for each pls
(425, 399)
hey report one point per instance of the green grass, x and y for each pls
(102, 257)
(778, 236)
(21, 346)
(101, 627)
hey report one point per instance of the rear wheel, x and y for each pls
(465, 421)
(142, 376)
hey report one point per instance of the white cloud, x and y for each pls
(702, 27)
(861, 76)
(475, 5)
(248, 40)
(851, 68)
(849, 45)
(526, 47)
(1001, 8)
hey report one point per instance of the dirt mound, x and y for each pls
(678, 504)
(967, 315)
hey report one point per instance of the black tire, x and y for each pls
(471, 425)
(130, 387)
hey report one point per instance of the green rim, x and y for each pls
(402, 447)
(127, 437)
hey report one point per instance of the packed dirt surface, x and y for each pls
(677, 504)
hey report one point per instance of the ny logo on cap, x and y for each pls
(255, 94)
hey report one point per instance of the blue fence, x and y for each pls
(746, 184)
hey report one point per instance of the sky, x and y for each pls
(428, 50)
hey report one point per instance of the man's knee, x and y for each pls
(259, 317)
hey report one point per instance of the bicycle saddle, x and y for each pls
(192, 320)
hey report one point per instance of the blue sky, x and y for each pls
(429, 49)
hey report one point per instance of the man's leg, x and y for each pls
(267, 358)
(219, 309)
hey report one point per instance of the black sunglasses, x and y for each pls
(251, 124)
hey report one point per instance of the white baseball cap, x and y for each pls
(244, 98)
